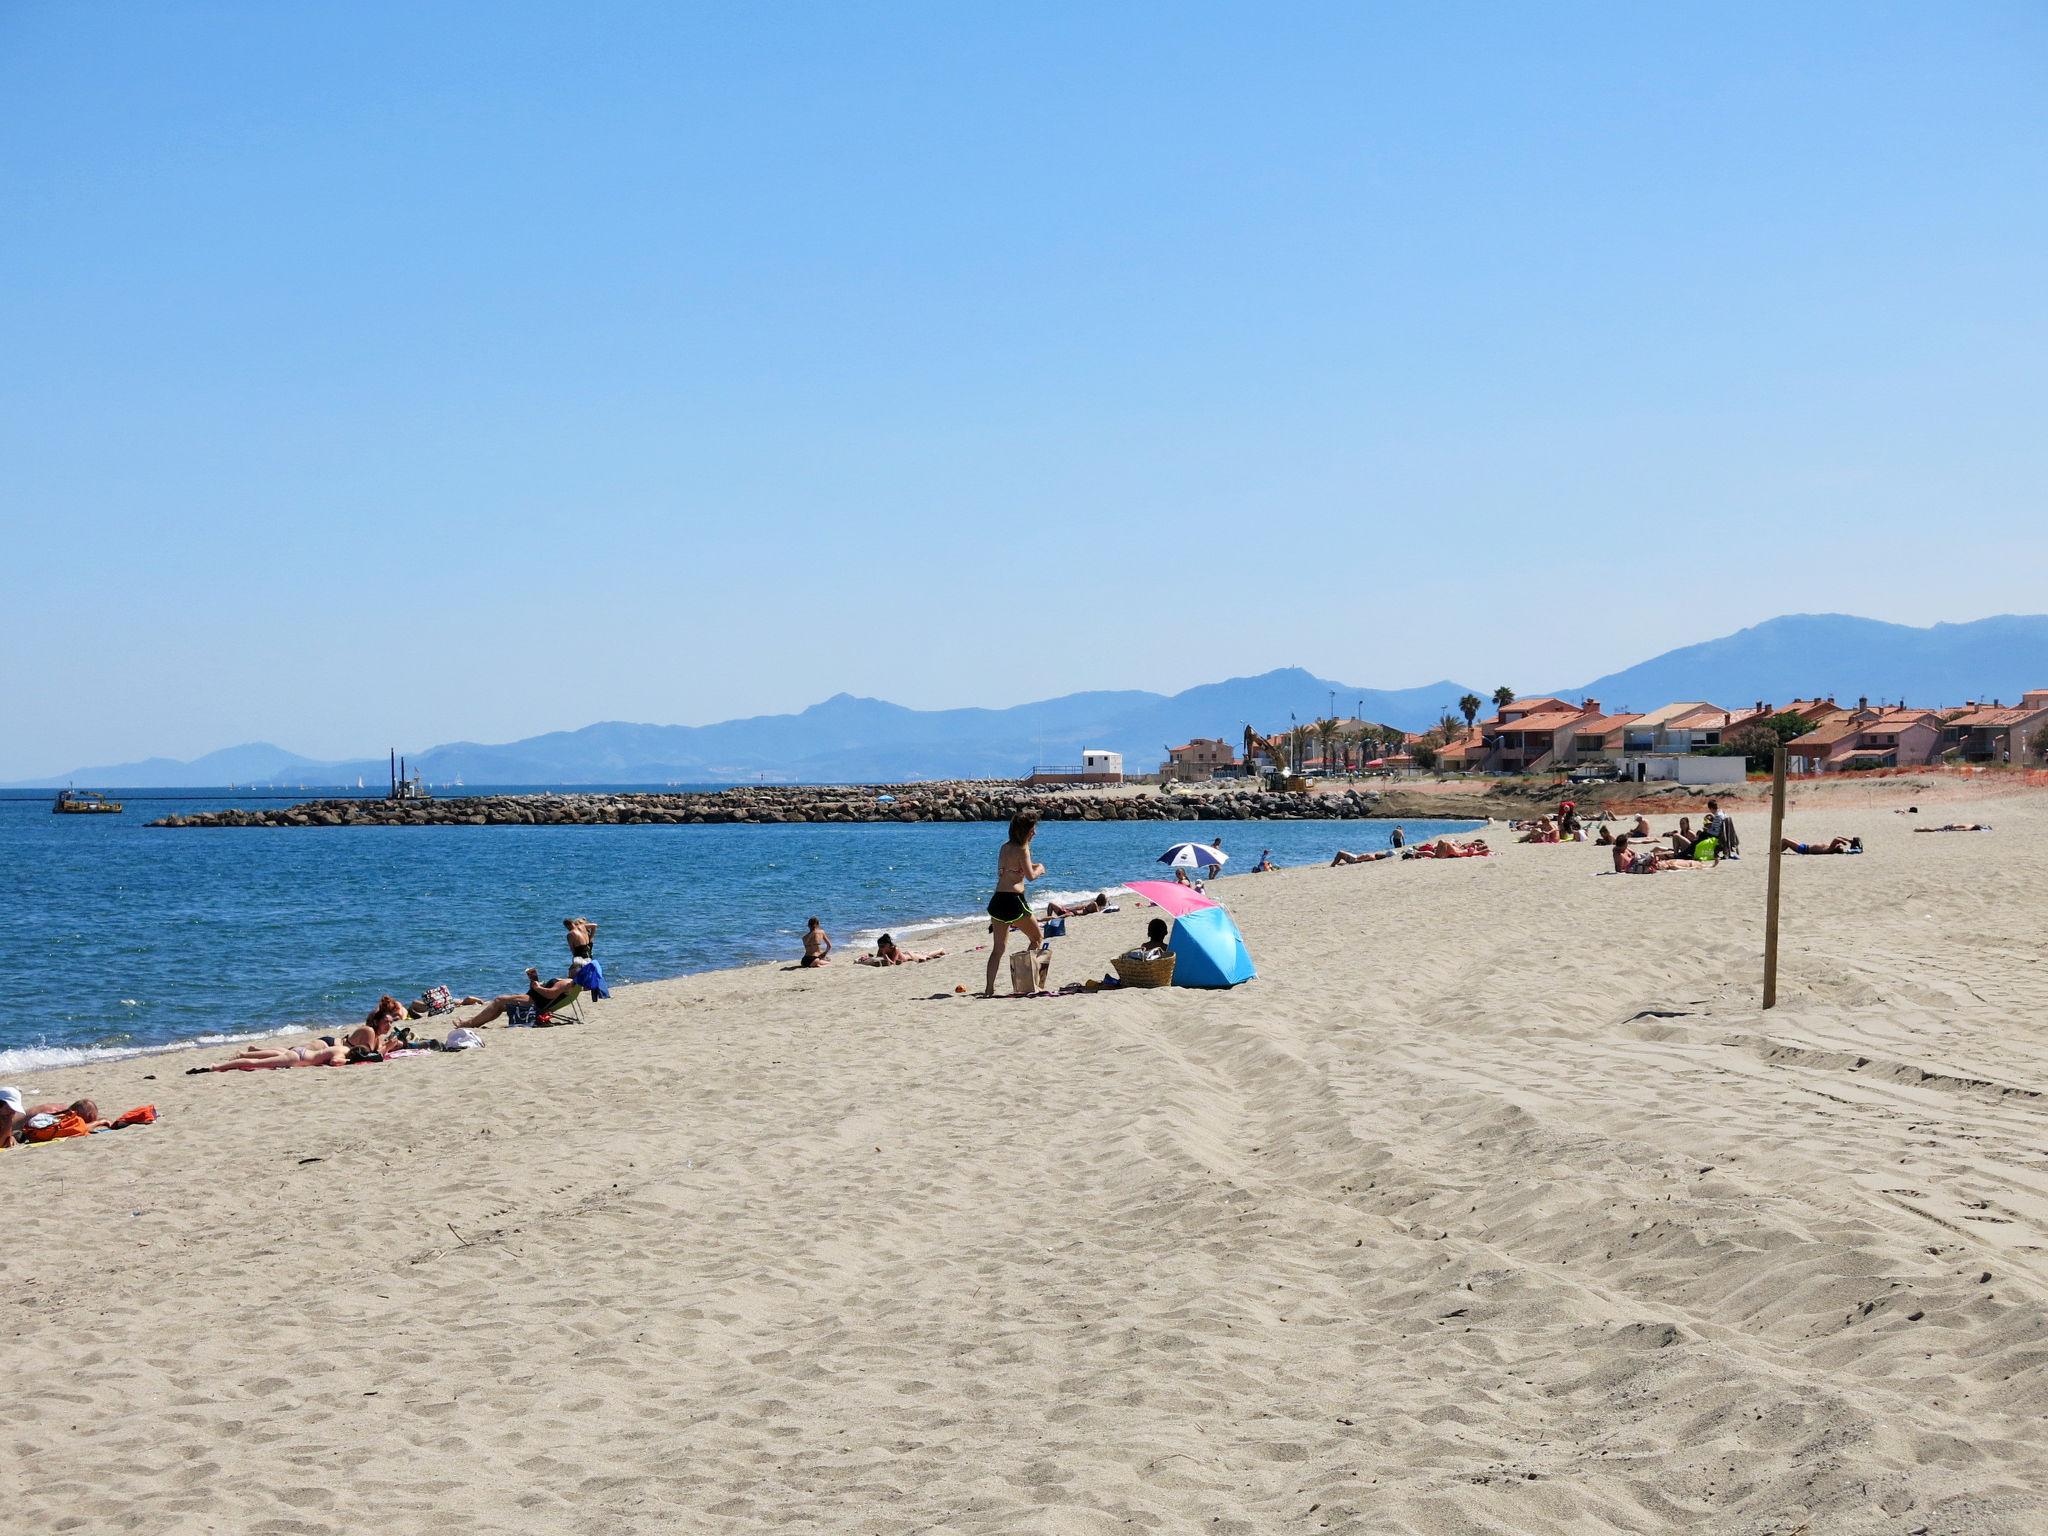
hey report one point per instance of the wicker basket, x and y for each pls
(1145, 973)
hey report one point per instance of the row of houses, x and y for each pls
(1677, 741)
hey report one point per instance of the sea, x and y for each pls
(139, 938)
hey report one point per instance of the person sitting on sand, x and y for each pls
(1541, 832)
(325, 1052)
(1099, 902)
(887, 952)
(1180, 877)
(1265, 866)
(1155, 941)
(1344, 857)
(1722, 830)
(1958, 826)
(544, 995)
(1641, 828)
(1682, 840)
(1836, 845)
(1009, 907)
(817, 946)
(1568, 820)
(1606, 837)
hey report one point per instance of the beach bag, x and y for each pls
(463, 1039)
(56, 1127)
(439, 1000)
(1023, 974)
(1134, 970)
(1056, 928)
(1703, 850)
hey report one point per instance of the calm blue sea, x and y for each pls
(138, 938)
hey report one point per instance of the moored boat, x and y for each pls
(85, 802)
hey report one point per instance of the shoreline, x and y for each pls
(925, 928)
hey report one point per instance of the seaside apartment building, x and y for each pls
(1202, 758)
(1996, 733)
(1890, 736)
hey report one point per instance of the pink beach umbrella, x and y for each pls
(1172, 896)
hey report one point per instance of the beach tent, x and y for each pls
(1209, 950)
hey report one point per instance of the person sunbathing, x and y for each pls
(1958, 826)
(1641, 828)
(817, 946)
(1180, 877)
(438, 1000)
(544, 995)
(1096, 903)
(1541, 832)
(1651, 861)
(1606, 837)
(1344, 857)
(15, 1115)
(888, 952)
(1444, 848)
(1836, 845)
(326, 1052)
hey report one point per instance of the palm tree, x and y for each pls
(1503, 697)
(1470, 704)
(1327, 731)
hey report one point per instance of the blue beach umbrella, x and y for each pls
(1193, 856)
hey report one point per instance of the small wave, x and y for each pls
(864, 938)
(43, 1057)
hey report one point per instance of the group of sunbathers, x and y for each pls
(384, 1031)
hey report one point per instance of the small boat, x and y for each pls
(84, 802)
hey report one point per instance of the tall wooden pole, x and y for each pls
(1777, 860)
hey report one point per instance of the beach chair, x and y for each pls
(564, 1010)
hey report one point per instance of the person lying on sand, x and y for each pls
(1958, 826)
(1344, 857)
(1444, 848)
(888, 953)
(1096, 903)
(817, 946)
(1606, 837)
(1651, 861)
(325, 1052)
(544, 995)
(1838, 845)
(426, 1005)
(15, 1115)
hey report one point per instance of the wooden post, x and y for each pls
(1777, 859)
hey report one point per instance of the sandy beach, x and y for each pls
(1494, 1205)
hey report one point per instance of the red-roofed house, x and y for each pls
(1521, 737)
(1896, 736)
(1995, 733)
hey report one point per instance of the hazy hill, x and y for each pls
(843, 738)
(1806, 654)
(849, 738)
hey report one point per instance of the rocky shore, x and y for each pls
(960, 801)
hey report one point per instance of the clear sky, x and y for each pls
(401, 373)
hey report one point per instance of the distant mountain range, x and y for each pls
(853, 739)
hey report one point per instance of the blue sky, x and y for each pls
(379, 374)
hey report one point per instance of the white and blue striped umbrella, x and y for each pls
(1193, 856)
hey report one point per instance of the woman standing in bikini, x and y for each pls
(1009, 908)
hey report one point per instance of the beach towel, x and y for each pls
(590, 977)
(57, 1127)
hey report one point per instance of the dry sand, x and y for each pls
(1494, 1205)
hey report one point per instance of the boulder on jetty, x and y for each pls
(957, 800)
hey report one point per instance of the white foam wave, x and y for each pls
(864, 938)
(44, 1057)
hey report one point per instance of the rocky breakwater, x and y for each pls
(961, 801)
